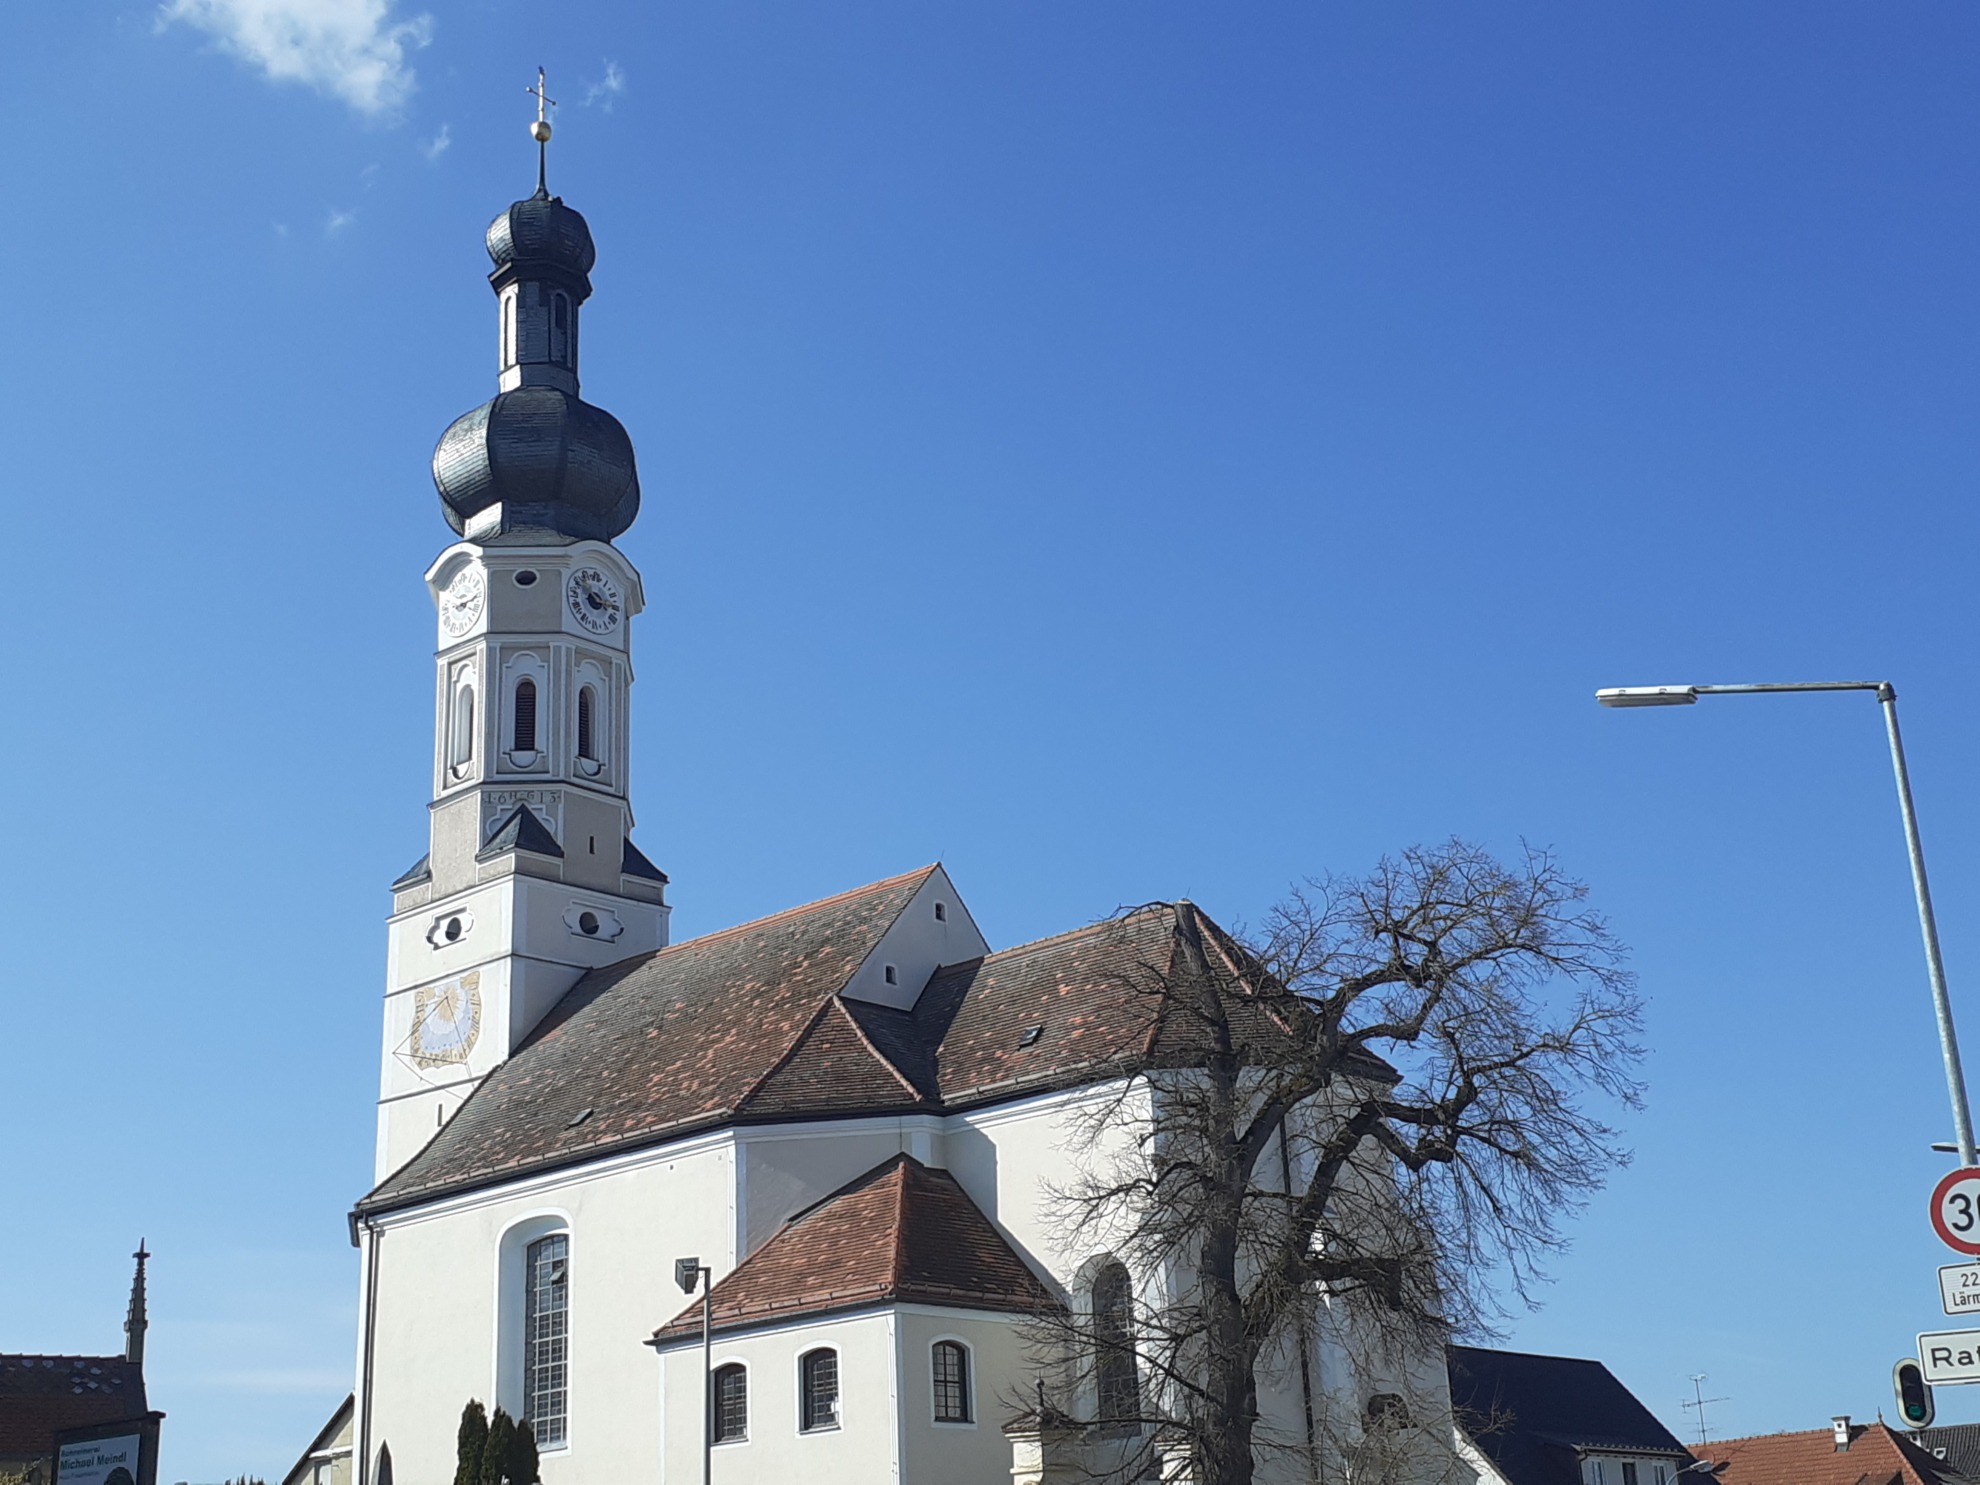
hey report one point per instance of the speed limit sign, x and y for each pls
(1956, 1210)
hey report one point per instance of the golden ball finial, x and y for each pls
(540, 131)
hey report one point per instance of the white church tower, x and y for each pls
(531, 877)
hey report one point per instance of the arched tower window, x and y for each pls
(525, 731)
(587, 738)
(1117, 1384)
(460, 746)
(546, 1337)
(560, 329)
(508, 329)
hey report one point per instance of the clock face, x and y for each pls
(460, 601)
(593, 599)
(447, 1019)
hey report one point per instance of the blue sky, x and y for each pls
(1121, 450)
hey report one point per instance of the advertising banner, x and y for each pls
(99, 1461)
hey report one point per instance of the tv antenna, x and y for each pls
(1699, 1401)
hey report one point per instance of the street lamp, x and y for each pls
(1627, 696)
(687, 1273)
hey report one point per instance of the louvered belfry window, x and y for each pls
(546, 1338)
(525, 715)
(587, 705)
(731, 1404)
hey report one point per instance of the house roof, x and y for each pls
(1530, 1414)
(1876, 1455)
(900, 1234)
(1955, 1444)
(333, 1435)
(40, 1395)
(750, 1025)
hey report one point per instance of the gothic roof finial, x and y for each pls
(540, 132)
(135, 1322)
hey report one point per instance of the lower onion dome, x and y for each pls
(559, 468)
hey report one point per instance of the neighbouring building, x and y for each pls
(1955, 1445)
(1844, 1453)
(327, 1460)
(43, 1395)
(851, 1113)
(1557, 1420)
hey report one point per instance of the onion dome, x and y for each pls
(557, 466)
(544, 235)
(537, 463)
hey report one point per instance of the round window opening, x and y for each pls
(526, 577)
(453, 929)
(588, 922)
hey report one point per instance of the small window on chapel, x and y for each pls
(818, 1389)
(950, 1373)
(731, 1402)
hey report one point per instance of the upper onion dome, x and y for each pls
(542, 233)
(537, 463)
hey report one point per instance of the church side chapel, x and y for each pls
(845, 1120)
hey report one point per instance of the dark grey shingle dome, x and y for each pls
(557, 465)
(558, 468)
(542, 231)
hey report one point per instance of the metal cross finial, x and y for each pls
(540, 131)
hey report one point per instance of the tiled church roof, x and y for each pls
(41, 1394)
(900, 1234)
(748, 1025)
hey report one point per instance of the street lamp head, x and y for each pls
(1648, 696)
(687, 1272)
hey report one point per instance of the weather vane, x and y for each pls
(540, 132)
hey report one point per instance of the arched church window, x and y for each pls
(508, 329)
(1117, 1384)
(460, 749)
(818, 1390)
(587, 739)
(381, 1473)
(950, 1371)
(731, 1404)
(560, 329)
(546, 1337)
(525, 730)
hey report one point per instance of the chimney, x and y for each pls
(135, 1322)
(1841, 1424)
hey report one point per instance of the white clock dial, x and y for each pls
(447, 1019)
(593, 599)
(461, 600)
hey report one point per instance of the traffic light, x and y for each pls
(1914, 1398)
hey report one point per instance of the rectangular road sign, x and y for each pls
(1959, 1288)
(1948, 1356)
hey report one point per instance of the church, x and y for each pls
(832, 1134)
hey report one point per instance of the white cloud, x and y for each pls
(608, 88)
(338, 221)
(347, 49)
(438, 145)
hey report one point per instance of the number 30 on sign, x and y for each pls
(1956, 1210)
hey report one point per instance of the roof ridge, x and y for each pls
(839, 999)
(897, 1266)
(792, 912)
(1094, 927)
(783, 1058)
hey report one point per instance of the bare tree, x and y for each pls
(1379, 1104)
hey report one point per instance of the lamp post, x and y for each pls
(1628, 696)
(687, 1273)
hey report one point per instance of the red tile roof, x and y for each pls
(749, 1025)
(40, 1394)
(900, 1234)
(1876, 1456)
